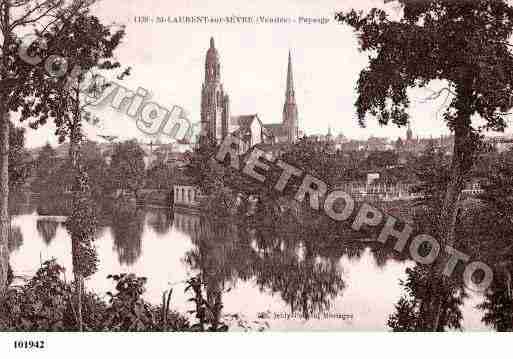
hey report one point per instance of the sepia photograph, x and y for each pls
(244, 167)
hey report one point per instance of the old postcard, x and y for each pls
(255, 166)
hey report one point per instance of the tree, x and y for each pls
(96, 168)
(432, 174)
(18, 80)
(82, 225)
(162, 176)
(381, 159)
(83, 44)
(19, 158)
(412, 312)
(44, 167)
(461, 43)
(498, 306)
(127, 166)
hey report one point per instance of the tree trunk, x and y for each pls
(463, 154)
(4, 151)
(4, 196)
(79, 280)
(74, 143)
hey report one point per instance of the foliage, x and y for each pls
(127, 167)
(42, 305)
(19, 158)
(82, 225)
(97, 169)
(404, 319)
(498, 191)
(381, 159)
(216, 181)
(86, 44)
(46, 303)
(21, 82)
(498, 305)
(45, 167)
(462, 45)
(432, 173)
(162, 176)
(127, 311)
(202, 171)
(421, 47)
(207, 312)
(414, 311)
(54, 177)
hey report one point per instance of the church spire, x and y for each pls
(289, 94)
(290, 115)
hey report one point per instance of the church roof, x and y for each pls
(276, 129)
(243, 120)
(243, 124)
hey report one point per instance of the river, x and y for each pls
(263, 276)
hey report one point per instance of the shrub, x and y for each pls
(46, 303)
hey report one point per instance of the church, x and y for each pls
(217, 121)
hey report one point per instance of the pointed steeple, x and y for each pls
(289, 94)
(290, 115)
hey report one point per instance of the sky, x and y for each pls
(168, 60)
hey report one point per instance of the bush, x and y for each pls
(43, 304)
(127, 311)
(47, 303)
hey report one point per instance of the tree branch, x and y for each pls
(436, 94)
(25, 19)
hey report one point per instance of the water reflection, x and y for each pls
(248, 269)
(15, 238)
(127, 228)
(291, 266)
(215, 256)
(47, 229)
(160, 221)
(292, 263)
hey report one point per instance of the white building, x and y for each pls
(186, 196)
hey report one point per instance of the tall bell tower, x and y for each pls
(215, 110)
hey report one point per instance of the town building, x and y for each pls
(186, 196)
(412, 147)
(217, 121)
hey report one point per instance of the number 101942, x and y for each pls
(29, 344)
